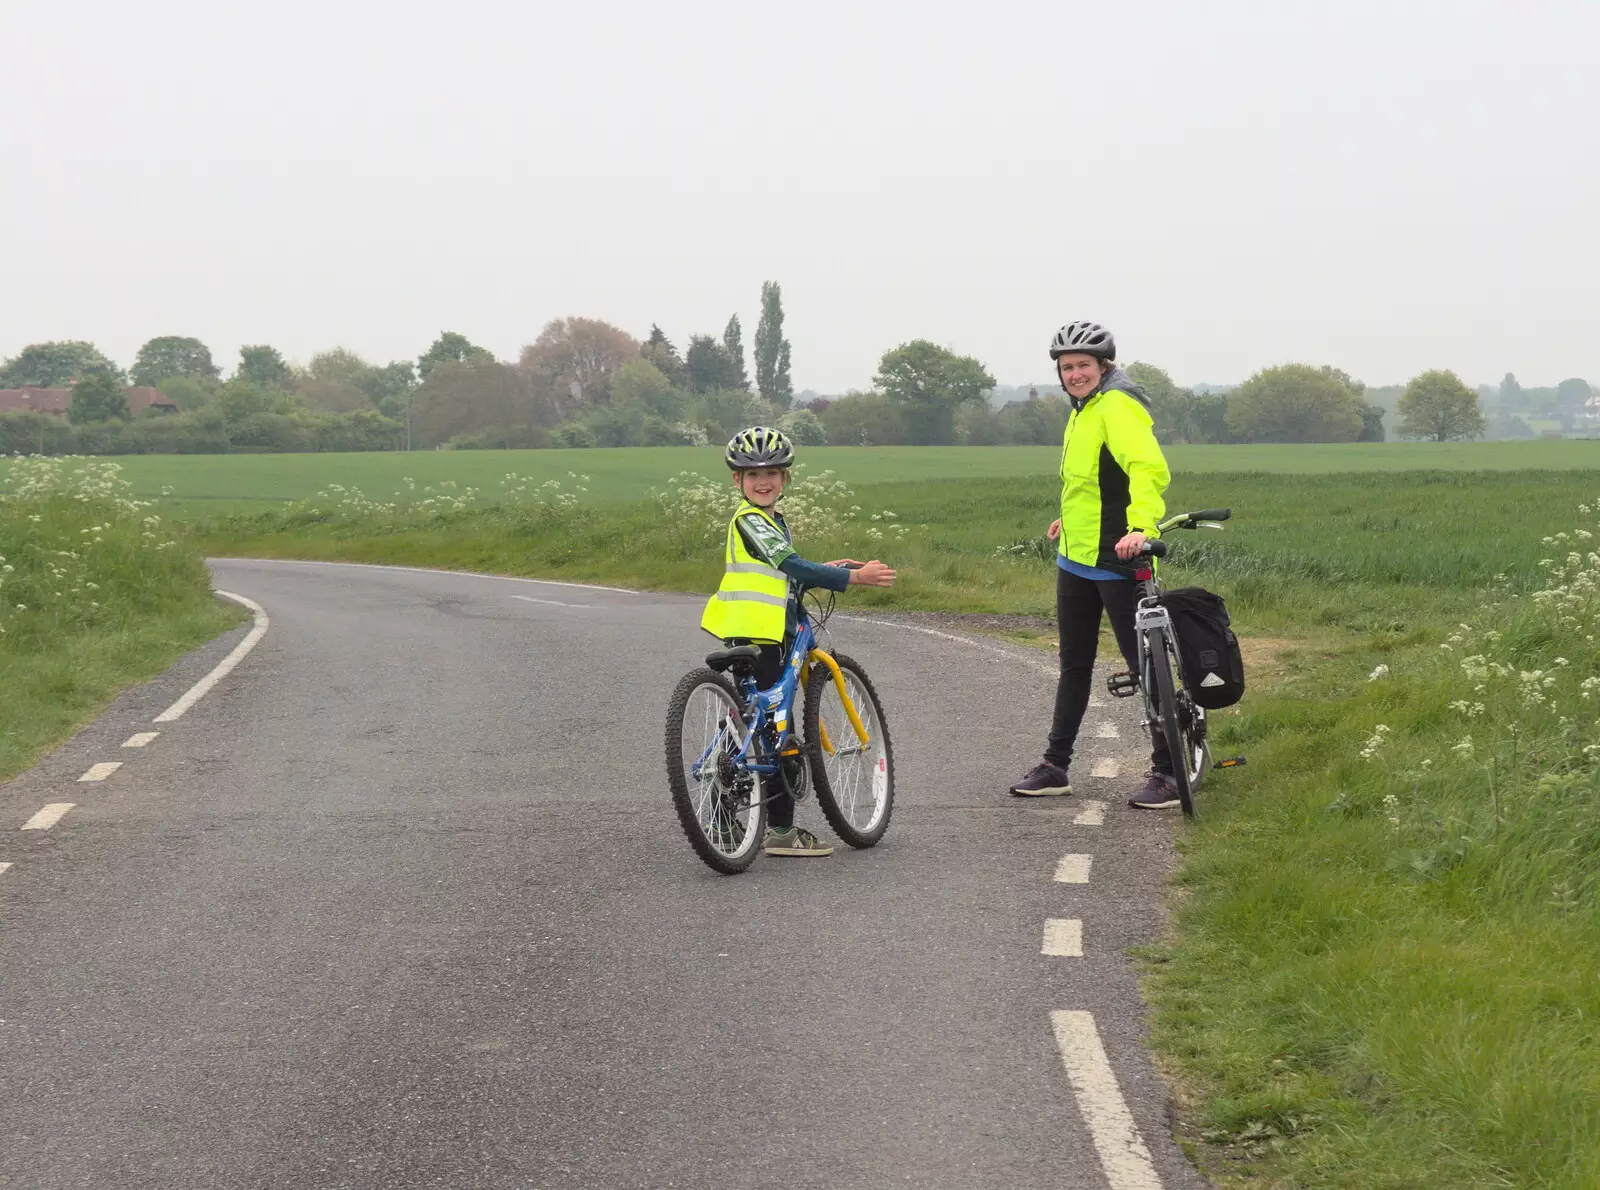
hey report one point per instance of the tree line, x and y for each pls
(584, 382)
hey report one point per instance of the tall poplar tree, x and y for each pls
(733, 345)
(772, 349)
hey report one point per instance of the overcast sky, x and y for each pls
(1384, 186)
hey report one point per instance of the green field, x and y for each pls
(202, 484)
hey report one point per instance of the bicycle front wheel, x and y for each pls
(718, 800)
(854, 779)
(1169, 721)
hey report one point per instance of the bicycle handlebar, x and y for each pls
(1191, 520)
(1184, 520)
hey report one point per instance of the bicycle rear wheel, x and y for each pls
(1162, 659)
(718, 801)
(854, 781)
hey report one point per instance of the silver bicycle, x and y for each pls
(1167, 705)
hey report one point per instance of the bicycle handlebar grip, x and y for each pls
(1213, 514)
(1156, 549)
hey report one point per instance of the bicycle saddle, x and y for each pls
(740, 657)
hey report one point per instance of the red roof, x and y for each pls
(56, 400)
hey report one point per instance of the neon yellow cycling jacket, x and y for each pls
(1113, 476)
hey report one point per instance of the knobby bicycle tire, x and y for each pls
(827, 797)
(1179, 748)
(678, 778)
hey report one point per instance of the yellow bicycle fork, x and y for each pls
(823, 659)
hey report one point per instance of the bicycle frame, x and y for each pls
(774, 707)
(1148, 615)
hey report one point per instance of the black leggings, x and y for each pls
(769, 670)
(1079, 602)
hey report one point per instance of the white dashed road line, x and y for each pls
(99, 772)
(3, 867)
(551, 602)
(1106, 731)
(47, 817)
(224, 667)
(1092, 814)
(1105, 767)
(140, 739)
(1063, 938)
(1074, 869)
(1116, 1138)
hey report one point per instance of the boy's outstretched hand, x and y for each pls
(867, 574)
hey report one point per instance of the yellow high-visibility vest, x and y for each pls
(753, 600)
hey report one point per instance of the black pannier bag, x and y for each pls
(1208, 651)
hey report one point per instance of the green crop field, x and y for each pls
(203, 484)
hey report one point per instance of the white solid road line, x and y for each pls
(1063, 938)
(47, 817)
(962, 640)
(99, 772)
(551, 602)
(224, 667)
(1074, 869)
(504, 578)
(1092, 814)
(139, 739)
(1105, 767)
(1116, 1138)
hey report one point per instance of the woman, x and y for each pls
(1113, 478)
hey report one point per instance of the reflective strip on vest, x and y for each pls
(752, 597)
(753, 601)
(757, 568)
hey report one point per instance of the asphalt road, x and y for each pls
(403, 903)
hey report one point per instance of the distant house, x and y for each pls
(55, 400)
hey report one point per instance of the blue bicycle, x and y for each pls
(732, 747)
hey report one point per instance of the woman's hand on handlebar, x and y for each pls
(869, 574)
(1131, 546)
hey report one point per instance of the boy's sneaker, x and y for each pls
(1043, 780)
(794, 841)
(1160, 792)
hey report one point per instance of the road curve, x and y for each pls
(402, 903)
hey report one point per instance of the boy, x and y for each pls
(756, 603)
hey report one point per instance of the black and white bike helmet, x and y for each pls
(1089, 338)
(759, 446)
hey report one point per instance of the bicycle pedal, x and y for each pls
(1122, 685)
(1232, 762)
(790, 752)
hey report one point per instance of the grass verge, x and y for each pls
(95, 595)
(1387, 928)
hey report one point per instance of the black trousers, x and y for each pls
(769, 670)
(1079, 602)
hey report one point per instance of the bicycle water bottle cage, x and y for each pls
(741, 659)
(1122, 685)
